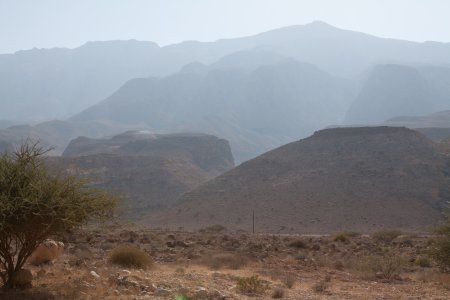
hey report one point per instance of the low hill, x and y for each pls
(206, 151)
(359, 179)
(149, 171)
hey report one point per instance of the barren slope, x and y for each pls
(357, 179)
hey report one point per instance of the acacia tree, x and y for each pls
(34, 204)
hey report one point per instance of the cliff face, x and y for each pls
(359, 179)
(149, 171)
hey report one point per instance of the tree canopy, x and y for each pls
(36, 204)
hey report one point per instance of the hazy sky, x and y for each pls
(25, 24)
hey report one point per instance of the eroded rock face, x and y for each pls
(359, 179)
(208, 152)
(149, 171)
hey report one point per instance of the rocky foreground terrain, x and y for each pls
(216, 264)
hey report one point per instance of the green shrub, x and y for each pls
(386, 235)
(36, 204)
(130, 257)
(251, 285)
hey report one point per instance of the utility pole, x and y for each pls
(253, 222)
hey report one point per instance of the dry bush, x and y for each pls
(338, 265)
(130, 257)
(385, 267)
(320, 287)
(217, 228)
(278, 293)
(299, 244)
(224, 260)
(423, 262)
(441, 247)
(386, 235)
(341, 237)
(434, 276)
(251, 285)
(345, 236)
(289, 280)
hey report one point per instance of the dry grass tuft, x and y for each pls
(130, 257)
(278, 293)
(289, 280)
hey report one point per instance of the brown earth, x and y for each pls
(209, 265)
(359, 179)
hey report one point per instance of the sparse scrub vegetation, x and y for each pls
(252, 285)
(321, 287)
(217, 228)
(386, 235)
(130, 257)
(423, 262)
(345, 236)
(441, 247)
(385, 267)
(225, 260)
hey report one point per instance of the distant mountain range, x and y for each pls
(343, 179)
(258, 92)
(59, 82)
(395, 90)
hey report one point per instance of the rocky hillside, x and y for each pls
(149, 171)
(359, 179)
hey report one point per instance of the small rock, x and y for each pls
(201, 293)
(94, 274)
(41, 272)
(163, 292)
